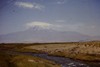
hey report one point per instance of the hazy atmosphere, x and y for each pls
(75, 16)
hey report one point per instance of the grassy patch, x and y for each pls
(30, 61)
(24, 61)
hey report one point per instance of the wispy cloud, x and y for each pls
(29, 5)
(43, 25)
(24, 4)
(38, 24)
(61, 1)
(53, 26)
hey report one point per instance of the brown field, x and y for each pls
(87, 51)
(77, 50)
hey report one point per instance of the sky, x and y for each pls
(81, 16)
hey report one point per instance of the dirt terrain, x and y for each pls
(48, 54)
(89, 51)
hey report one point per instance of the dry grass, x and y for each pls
(81, 50)
(77, 50)
(30, 61)
(24, 61)
(19, 60)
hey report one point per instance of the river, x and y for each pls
(64, 62)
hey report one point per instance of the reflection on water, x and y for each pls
(64, 62)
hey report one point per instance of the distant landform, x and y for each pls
(37, 34)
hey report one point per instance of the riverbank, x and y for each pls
(83, 51)
(10, 59)
(87, 51)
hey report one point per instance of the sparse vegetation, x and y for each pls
(77, 50)
(30, 61)
(24, 61)
(19, 60)
(88, 51)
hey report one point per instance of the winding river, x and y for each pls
(64, 62)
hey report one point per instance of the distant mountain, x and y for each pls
(95, 38)
(43, 35)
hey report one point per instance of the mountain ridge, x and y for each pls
(43, 35)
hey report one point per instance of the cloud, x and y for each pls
(24, 4)
(53, 26)
(83, 28)
(43, 25)
(39, 24)
(61, 1)
(29, 5)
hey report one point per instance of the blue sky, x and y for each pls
(81, 16)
